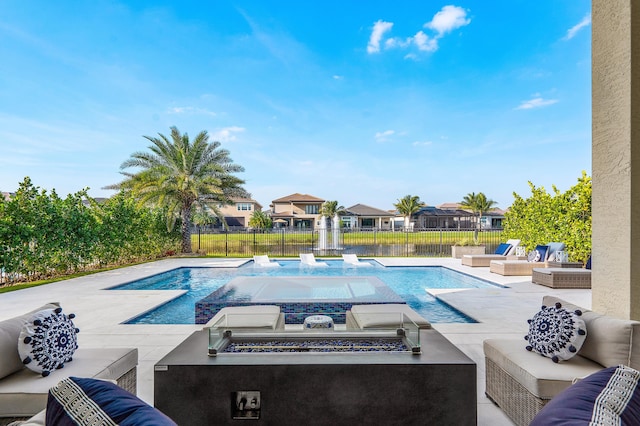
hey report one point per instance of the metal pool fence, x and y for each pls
(363, 242)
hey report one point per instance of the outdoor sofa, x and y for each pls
(502, 252)
(521, 382)
(525, 267)
(23, 392)
(563, 277)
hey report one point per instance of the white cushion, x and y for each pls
(24, 393)
(542, 378)
(256, 316)
(386, 315)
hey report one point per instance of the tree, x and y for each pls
(178, 173)
(260, 220)
(544, 217)
(407, 206)
(331, 208)
(479, 204)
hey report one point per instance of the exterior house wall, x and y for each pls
(240, 211)
(615, 37)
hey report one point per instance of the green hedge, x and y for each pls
(43, 235)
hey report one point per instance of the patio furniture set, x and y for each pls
(541, 265)
(33, 348)
(522, 382)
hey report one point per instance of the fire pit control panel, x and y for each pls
(245, 405)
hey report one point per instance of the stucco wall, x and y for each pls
(615, 151)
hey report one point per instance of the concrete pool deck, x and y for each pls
(501, 312)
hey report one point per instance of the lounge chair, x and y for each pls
(252, 317)
(501, 253)
(264, 262)
(563, 277)
(525, 267)
(385, 315)
(352, 260)
(308, 259)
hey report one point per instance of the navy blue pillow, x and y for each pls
(588, 263)
(80, 401)
(608, 397)
(539, 254)
(503, 249)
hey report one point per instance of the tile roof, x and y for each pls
(364, 210)
(299, 198)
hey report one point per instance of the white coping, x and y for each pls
(502, 311)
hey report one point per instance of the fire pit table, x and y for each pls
(401, 375)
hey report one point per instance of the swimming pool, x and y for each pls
(409, 283)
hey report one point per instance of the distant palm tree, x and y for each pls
(479, 204)
(330, 209)
(178, 173)
(260, 220)
(407, 206)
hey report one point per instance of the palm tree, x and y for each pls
(260, 220)
(178, 173)
(407, 206)
(478, 203)
(330, 209)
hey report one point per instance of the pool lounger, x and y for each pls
(352, 260)
(256, 316)
(385, 315)
(263, 261)
(308, 259)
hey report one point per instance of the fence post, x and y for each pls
(441, 252)
(226, 242)
(254, 241)
(282, 242)
(406, 243)
(199, 248)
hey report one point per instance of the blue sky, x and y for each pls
(359, 102)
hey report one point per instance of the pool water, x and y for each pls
(410, 283)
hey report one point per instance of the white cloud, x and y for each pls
(338, 77)
(227, 134)
(379, 28)
(536, 103)
(384, 136)
(586, 21)
(424, 43)
(422, 143)
(448, 19)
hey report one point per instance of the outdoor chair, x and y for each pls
(501, 253)
(264, 262)
(308, 259)
(352, 260)
(563, 277)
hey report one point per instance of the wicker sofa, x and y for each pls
(475, 260)
(522, 382)
(524, 267)
(23, 392)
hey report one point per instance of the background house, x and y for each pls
(237, 215)
(296, 210)
(363, 216)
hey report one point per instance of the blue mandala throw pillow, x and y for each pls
(556, 333)
(48, 341)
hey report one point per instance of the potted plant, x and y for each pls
(466, 246)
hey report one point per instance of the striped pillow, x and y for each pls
(608, 397)
(88, 402)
